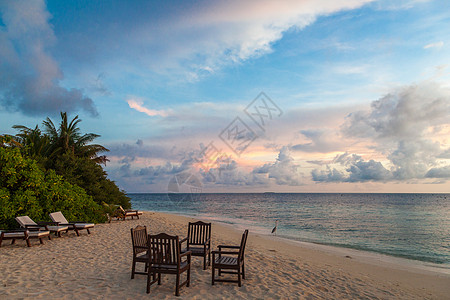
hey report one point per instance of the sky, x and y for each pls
(240, 96)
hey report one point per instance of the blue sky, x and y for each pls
(356, 93)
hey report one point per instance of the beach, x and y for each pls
(98, 266)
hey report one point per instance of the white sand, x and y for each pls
(98, 266)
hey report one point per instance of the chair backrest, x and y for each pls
(198, 232)
(165, 249)
(243, 242)
(58, 217)
(24, 221)
(139, 239)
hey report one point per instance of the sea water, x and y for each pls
(413, 226)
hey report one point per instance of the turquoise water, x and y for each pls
(414, 226)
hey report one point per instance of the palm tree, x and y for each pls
(67, 138)
(34, 143)
(7, 140)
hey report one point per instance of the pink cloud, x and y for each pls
(138, 105)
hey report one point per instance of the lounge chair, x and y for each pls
(199, 240)
(77, 226)
(122, 213)
(166, 258)
(230, 260)
(53, 227)
(23, 234)
(139, 239)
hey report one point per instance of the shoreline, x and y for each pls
(97, 266)
(367, 256)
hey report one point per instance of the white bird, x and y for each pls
(274, 230)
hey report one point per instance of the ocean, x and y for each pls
(412, 226)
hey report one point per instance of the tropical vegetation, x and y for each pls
(57, 168)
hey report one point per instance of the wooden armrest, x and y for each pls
(33, 226)
(183, 240)
(47, 223)
(225, 252)
(229, 247)
(14, 230)
(186, 253)
(141, 247)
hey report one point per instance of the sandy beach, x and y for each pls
(98, 266)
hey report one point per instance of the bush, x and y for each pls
(26, 189)
(91, 176)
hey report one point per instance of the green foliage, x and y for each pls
(26, 189)
(55, 169)
(91, 176)
(68, 139)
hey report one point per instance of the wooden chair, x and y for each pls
(59, 218)
(141, 252)
(199, 240)
(230, 260)
(166, 258)
(23, 234)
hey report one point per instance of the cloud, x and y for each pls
(228, 173)
(193, 40)
(284, 171)
(29, 76)
(141, 150)
(406, 113)
(443, 172)
(437, 45)
(137, 104)
(331, 175)
(398, 125)
(321, 140)
(357, 170)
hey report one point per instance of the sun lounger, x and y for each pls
(77, 225)
(23, 234)
(122, 213)
(27, 223)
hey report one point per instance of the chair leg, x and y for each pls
(188, 277)
(88, 231)
(159, 278)
(77, 232)
(148, 281)
(239, 277)
(28, 242)
(49, 237)
(243, 270)
(177, 287)
(204, 262)
(41, 241)
(212, 274)
(133, 269)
